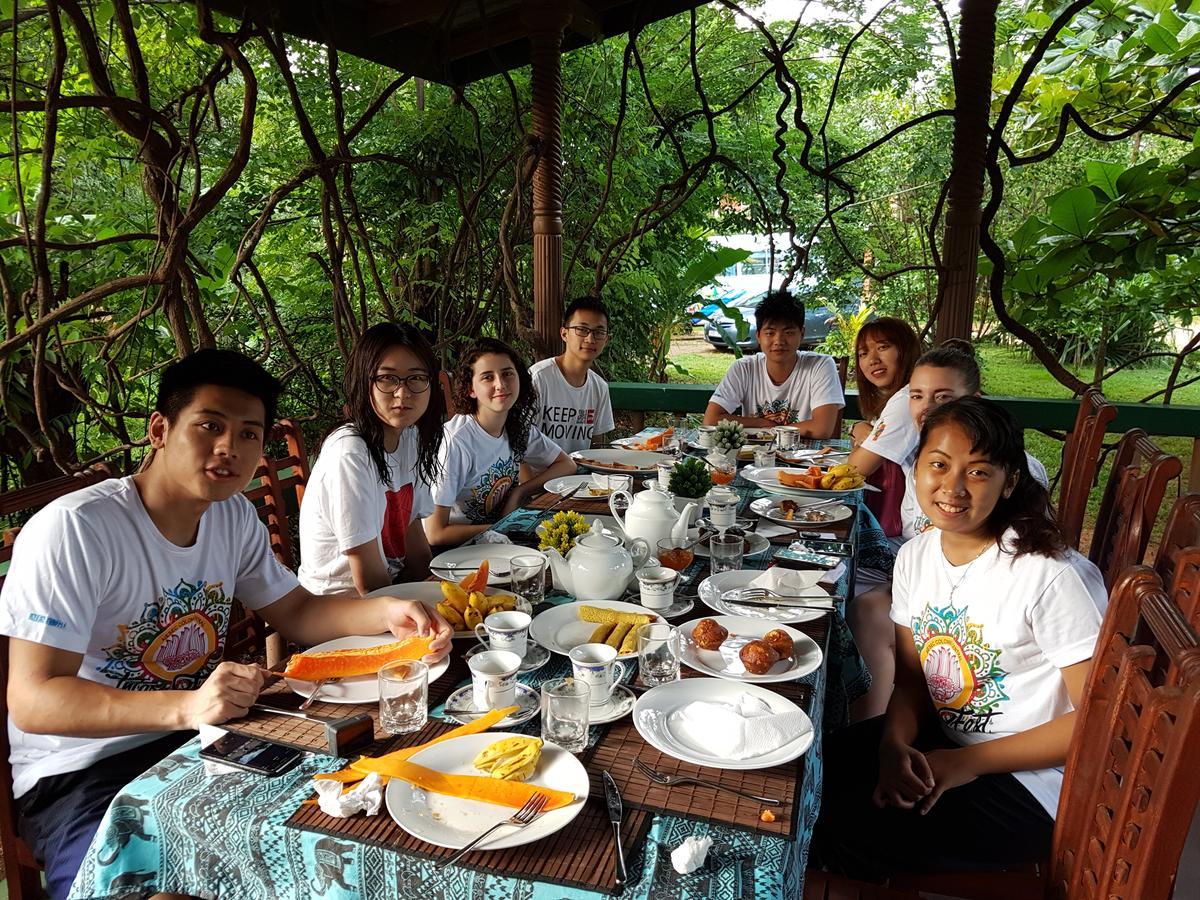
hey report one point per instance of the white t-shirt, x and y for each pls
(813, 383)
(479, 470)
(346, 505)
(913, 521)
(570, 415)
(893, 435)
(992, 655)
(92, 574)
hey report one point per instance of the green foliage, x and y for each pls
(843, 332)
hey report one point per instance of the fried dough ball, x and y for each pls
(758, 657)
(779, 641)
(708, 634)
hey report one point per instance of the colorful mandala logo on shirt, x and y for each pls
(175, 644)
(778, 412)
(962, 671)
(485, 500)
(878, 431)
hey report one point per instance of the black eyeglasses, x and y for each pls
(414, 384)
(583, 332)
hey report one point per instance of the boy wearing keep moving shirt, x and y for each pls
(117, 603)
(782, 385)
(573, 403)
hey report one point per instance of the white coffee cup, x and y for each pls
(594, 665)
(657, 585)
(706, 435)
(494, 679)
(505, 631)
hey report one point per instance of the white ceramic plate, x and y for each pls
(360, 688)
(460, 706)
(758, 544)
(560, 630)
(454, 822)
(713, 586)
(627, 462)
(768, 508)
(464, 560)
(566, 483)
(768, 479)
(806, 656)
(430, 592)
(651, 712)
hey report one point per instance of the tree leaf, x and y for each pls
(1104, 176)
(1159, 39)
(1073, 210)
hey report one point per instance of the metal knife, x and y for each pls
(616, 812)
(563, 499)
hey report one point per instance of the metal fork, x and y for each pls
(312, 698)
(766, 597)
(672, 780)
(522, 817)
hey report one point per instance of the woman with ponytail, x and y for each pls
(996, 620)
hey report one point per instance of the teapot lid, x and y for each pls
(597, 538)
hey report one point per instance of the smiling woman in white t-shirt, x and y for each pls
(488, 443)
(360, 523)
(996, 622)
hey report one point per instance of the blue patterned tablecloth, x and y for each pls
(179, 830)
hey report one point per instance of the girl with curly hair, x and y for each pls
(488, 443)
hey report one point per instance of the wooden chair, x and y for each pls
(843, 364)
(1181, 532)
(446, 380)
(31, 499)
(1132, 498)
(1081, 461)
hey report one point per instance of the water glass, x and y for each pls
(658, 653)
(764, 457)
(528, 575)
(565, 703)
(403, 696)
(725, 552)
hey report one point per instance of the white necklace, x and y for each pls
(955, 585)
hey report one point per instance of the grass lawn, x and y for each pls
(1006, 372)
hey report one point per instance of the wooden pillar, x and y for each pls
(972, 105)
(546, 22)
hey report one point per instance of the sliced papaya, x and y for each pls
(477, 580)
(514, 794)
(348, 663)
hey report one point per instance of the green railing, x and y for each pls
(1040, 413)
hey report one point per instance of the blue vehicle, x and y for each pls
(720, 324)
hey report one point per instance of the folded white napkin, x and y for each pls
(769, 529)
(690, 855)
(366, 796)
(743, 730)
(830, 579)
(492, 537)
(789, 581)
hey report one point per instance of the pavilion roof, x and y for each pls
(452, 42)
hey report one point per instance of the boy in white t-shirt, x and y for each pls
(782, 385)
(118, 598)
(573, 404)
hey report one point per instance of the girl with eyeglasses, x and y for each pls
(488, 444)
(360, 523)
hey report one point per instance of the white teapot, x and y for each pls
(598, 567)
(652, 516)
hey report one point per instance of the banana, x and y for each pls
(600, 633)
(842, 470)
(454, 595)
(472, 617)
(479, 601)
(451, 615)
(828, 480)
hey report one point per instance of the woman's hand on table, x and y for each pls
(227, 693)
(859, 433)
(905, 776)
(951, 769)
(409, 617)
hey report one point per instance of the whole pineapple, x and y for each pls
(729, 436)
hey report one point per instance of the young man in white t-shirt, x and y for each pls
(782, 385)
(573, 404)
(118, 598)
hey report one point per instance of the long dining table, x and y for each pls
(179, 829)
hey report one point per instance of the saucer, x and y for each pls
(678, 608)
(460, 707)
(535, 657)
(619, 704)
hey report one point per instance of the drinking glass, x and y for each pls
(725, 552)
(675, 553)
(658, 653)
(565, 703)
(403, 696)
(529, 577)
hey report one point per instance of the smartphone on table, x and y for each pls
(252, 754)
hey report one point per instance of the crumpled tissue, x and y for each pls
(365, 797)
(690, 855)
(492, 537)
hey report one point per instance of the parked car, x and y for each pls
(816, 325)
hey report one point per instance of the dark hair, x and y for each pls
(871, 398)
(359, 411)
(521, 416)
(222, 368)
(959, 355)
(995, 432)
(586, 304)
(780, 306)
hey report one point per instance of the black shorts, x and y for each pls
(59, 815)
